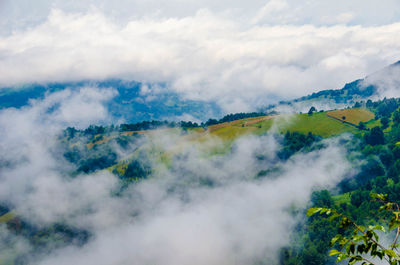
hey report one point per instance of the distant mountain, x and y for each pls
(130, 103)
(383, 83)
(133, 105)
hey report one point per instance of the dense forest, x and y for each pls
(379, 148)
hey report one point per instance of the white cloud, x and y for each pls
(205, 56)
(386, 81)
(270, 10)
(240, 220)
(29, 136)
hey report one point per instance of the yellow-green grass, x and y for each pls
(219, 140)
(234, 129)
(195, 129)
(354, 116)
(232, 132)
(98, 142)
(5, 218)
(373, 123)
(263, 126)
(251, 121)
(318, 123)
(238, 123)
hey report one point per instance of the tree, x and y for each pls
(375, 137)
(211, 122)
(362, 243)
(396, 117)
(312, 109)
(361, 126)
(136, 170)
(385, 122)
(344, 117)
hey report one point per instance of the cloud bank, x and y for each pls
(204, 56)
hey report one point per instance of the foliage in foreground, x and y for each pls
(362, 244)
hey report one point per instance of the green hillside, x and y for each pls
(318, 123)
(136, 152)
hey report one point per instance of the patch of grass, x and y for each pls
(318, 123)
(5, 218)
(354, 116)
(195, 129)
(373, 123)
(98, 142)
(263, 126)
(232, 132)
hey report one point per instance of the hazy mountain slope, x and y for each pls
(135, 101)
(383, 83)
(131, 103)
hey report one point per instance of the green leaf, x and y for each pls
(378, 196)
(379, 227)
(334, 252)
(341, 257)
(360, 248)
(335, 239)
(393, 224)
(312, 211)
(390, 252)
(352, 248)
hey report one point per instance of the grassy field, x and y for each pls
(318, 123)
(218, 139)
(354, 116)
(324, 124)
(232, 132)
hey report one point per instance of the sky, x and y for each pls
(238, 54)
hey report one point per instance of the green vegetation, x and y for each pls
(379, 173)
(131, 155)
(362, 244)
(318, 123)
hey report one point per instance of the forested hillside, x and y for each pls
(369, 132)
